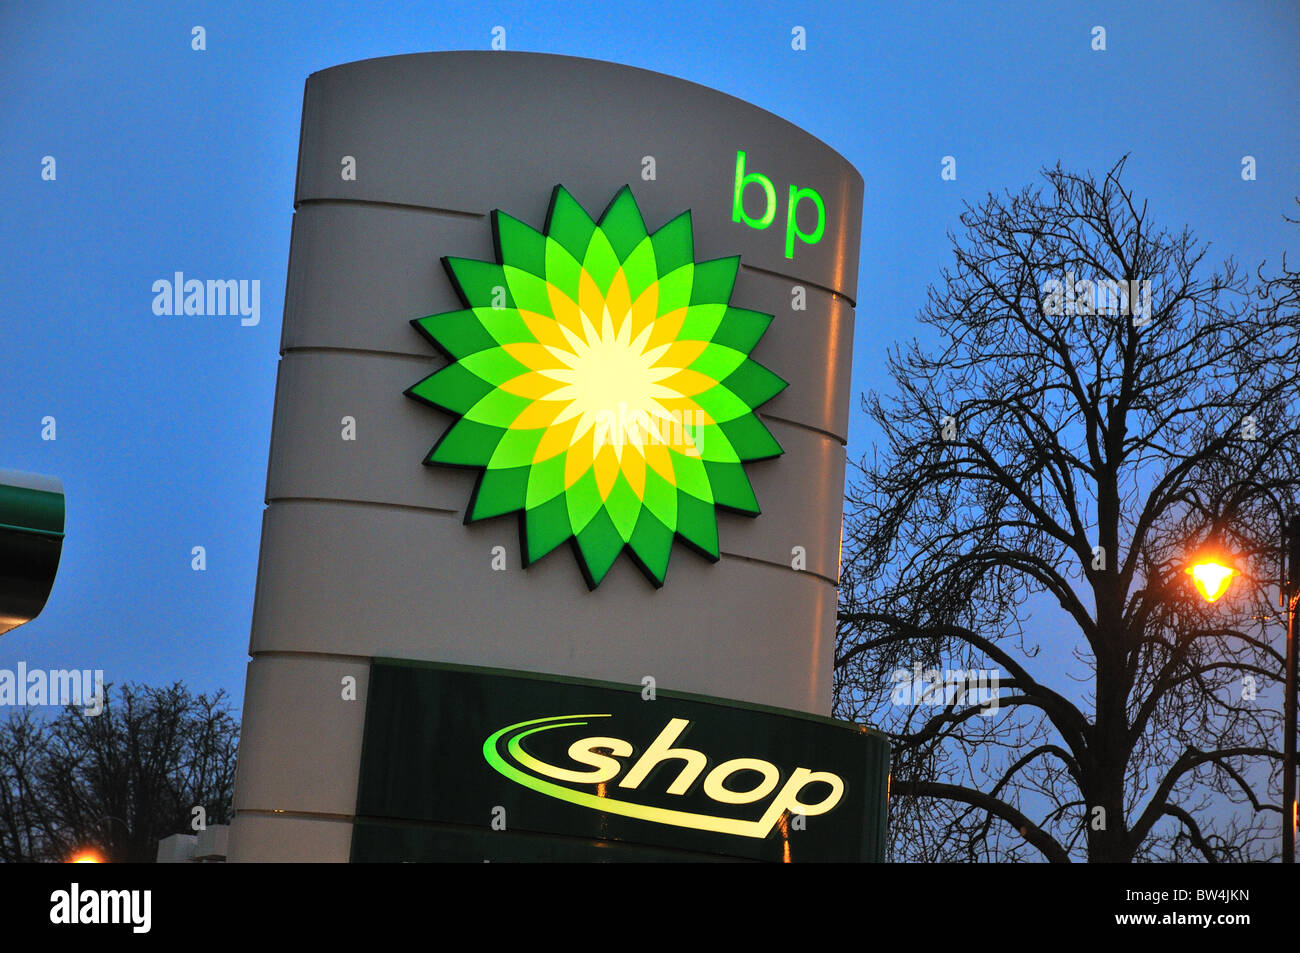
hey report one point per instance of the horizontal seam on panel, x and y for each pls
(365, 351)
(802, 281)
(296, 815)
(401, 206)
(315, 656)
(331, 501)
(809, 427)
(442, 512)
(775, 565)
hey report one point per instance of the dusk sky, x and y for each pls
(169, 159)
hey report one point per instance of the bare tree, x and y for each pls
(118, 781)
(23, 816)
(1044, 475)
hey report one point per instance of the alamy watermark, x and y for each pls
(180, 295)
(83, 688)
(680, 429)
(1102, 296)
(954, 686)
(76, 905)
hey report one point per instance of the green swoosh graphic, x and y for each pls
(657, 815)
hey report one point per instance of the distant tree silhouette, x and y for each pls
(119, 781)
(1045, 463)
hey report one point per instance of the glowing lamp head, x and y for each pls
(1211, 577)
(86, 856)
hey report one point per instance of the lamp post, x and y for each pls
(1212, 576)
(1291, 594)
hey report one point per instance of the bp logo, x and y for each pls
(602, 385)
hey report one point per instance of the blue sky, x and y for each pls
(168, 159)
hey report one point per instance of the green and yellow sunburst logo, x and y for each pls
(603, 385)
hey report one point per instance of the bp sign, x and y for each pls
(603, 386)
(641, 334)
(474, 764)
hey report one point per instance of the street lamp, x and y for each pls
(1212, 575)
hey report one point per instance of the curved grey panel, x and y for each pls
(360, 273)
(363, 580)
(473, 131)
(300, 744)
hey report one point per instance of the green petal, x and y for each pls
(741, 329)
(651, 545)
(519, 245)
(499, 492)
(528, 292)
(546, 482)
(584, 501)
(498, 407)
(716, 361)
(494, 366)
(674, 244)
(482, 283)
(600, 543)
(466, 443)
(562, 269)
(692, 479)
(754, 384)
(601, 261)
(714, 445)
(504, 324)
(731, 486)
(453, 388)
(622, 223)
(721, 404)
(515, 449)
(702, 322)
(697, 524)
(675, 289)
(623, 507)
(714, 280)
(569, 224)
(751, 439)
(639, 267)
(457, 333)
(660, 498)
(546, 527)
